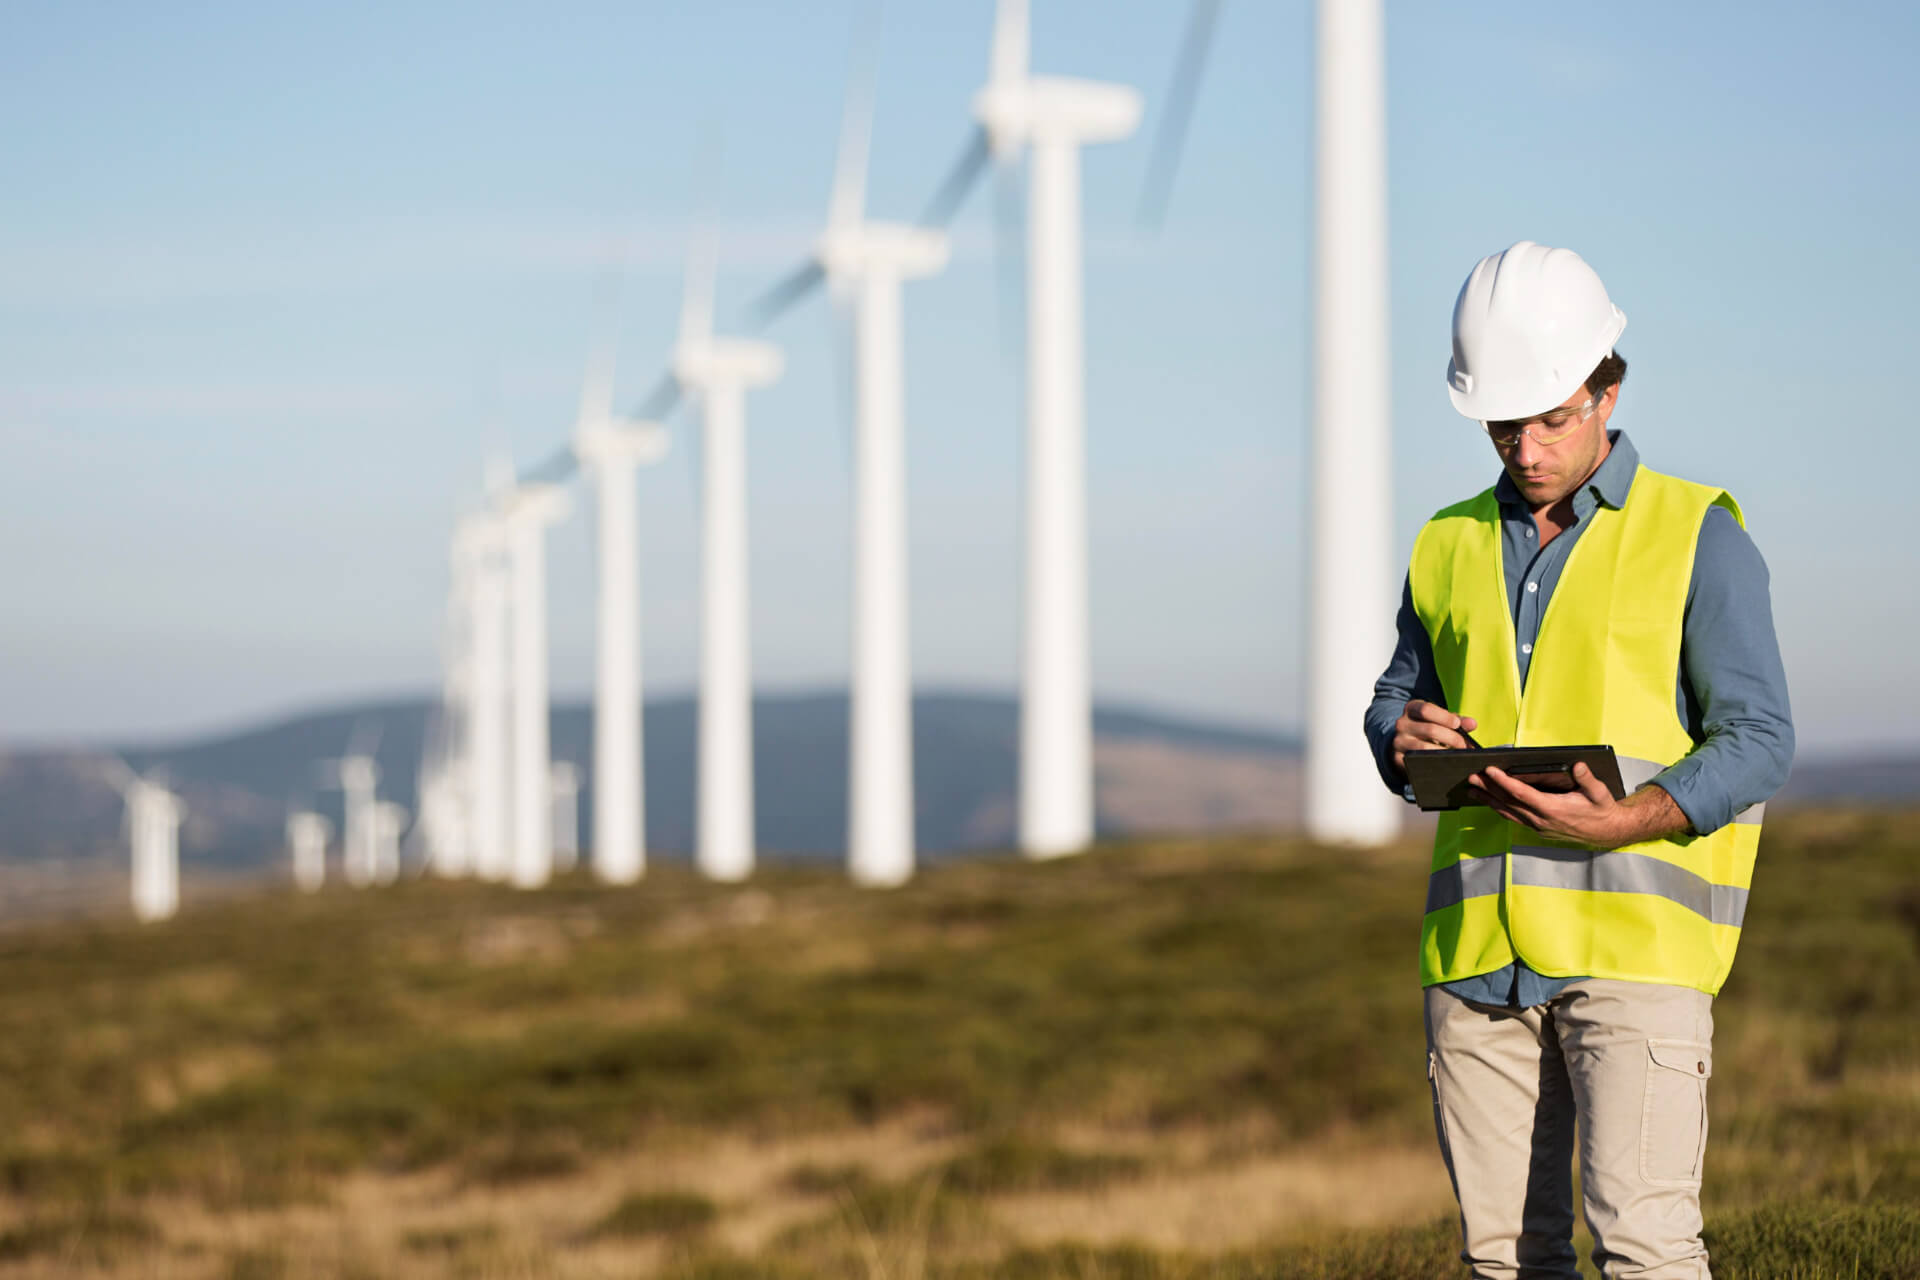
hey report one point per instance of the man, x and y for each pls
(1572, 942)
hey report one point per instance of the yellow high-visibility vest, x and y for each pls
(1604, 669)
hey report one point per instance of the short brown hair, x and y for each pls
(1610, 372)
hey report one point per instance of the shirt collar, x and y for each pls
(1610, 484)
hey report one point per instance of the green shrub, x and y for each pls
(658, 1213)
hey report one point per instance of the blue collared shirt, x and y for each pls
(1731, 689)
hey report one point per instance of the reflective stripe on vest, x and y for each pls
(1603, 670)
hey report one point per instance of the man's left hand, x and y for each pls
(1587, 815)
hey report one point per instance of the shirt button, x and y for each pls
(1533, 586)
(1526, 648)
(1529, 533)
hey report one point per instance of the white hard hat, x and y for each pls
(1529, 326)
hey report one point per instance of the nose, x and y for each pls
(1526, 451)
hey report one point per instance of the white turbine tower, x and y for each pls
(443, 833)
(307, 834)
(563, 786)
(358, 777)
(153, 822)
(717, 372)
(526, 511)
(613, 450)
(868, 261)
(1051, 118)
(1352, 584)
(385, 823)
(481, 543)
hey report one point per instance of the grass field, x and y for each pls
(1156, 1061)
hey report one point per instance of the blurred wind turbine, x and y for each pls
(153, 819)
(613, 450)
(564, 788)
(868, 261)
(1352, 585)
(718, 372)
(525, 512)
(384, 825)
(358, 777)
(480, 549)
(1050, 118)
(307, 834)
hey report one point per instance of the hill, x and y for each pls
(1155, 773)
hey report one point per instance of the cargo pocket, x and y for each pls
(1673, 1121)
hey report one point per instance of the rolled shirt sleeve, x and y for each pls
(1733, 686)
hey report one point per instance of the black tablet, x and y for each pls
(1439, 778)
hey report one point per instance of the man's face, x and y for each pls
(1546, 473)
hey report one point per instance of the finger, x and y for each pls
(1469, 723)
(1590, 787)
(1512, 789)
(1434, 713)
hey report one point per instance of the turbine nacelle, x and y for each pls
(701, 363)
(627, 440)
(852, 252)
(1056, 109)
(534, 504)
(359, 773)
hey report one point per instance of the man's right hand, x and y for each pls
(1428, 726)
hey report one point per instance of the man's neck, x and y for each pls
(1556, 517)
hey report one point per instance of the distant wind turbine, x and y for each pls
(481, 543)
(153, 819)
(358, 777)
(1051, 118)
(307, 834)
(526, 511)
(869, 261)
(564, 788)
(612, 450)
(717, 373)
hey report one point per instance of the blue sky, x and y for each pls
(272, 279)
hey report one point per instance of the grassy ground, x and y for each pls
(1163, 1060)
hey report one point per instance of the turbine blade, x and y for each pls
(696, 299)
(788, 291)
(848, 206)
(558, 466)
(1171, 138)
(840, 316)
(660, 401)
(365, 738)
(959, 181)
(1010, 255)
(596, 387)
(1011, 53)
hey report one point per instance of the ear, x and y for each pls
(1608, 400)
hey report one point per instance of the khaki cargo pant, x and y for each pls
(1630, 1061)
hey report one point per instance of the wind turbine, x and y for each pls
(443, 834)
(1351, 592)
(613, 450)
(307, 834)
(718, 372)
(1352, 582)
(384, 824)
(480, 542)
(358, 777)
(563, 785)
(153, 822)
(868, 261)
(1051, 118)
(525, 512)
